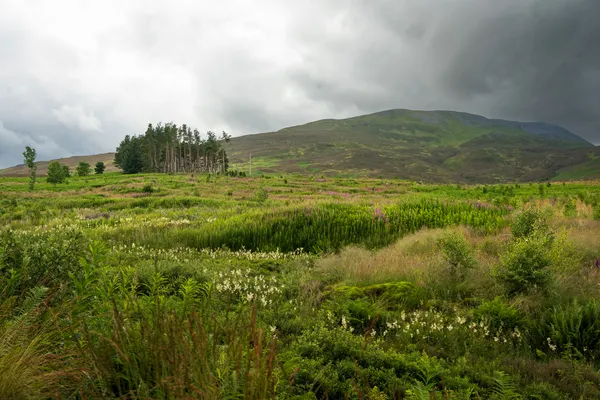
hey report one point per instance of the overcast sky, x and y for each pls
(76, 76)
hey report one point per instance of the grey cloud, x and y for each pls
(73, 85)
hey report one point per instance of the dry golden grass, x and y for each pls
(408, 259)
(415, 258)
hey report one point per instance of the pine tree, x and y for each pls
(100, 167)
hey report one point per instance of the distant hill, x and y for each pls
(21, 170)
(434, 146)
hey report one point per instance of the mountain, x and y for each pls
(433, 146)
(436, 146)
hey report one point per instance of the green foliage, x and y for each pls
(56, 173)
(596, 212)
(128, 155)
(29, 156)
(498, 314)
(107, 293)
(66, 171)
(148, 188)
(526, 265)
(571, 328)
(325, 227)
(261, 195)
(570, 209)
(99, 168)
(83, 169)
(457, 253)
(172, 149)
(504, 388)
(529, 221)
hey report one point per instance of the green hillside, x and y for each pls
(431, 146)
(419, 145)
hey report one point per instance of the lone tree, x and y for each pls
(100, 167)
(56, 173)
(83, 169)
(29, 155)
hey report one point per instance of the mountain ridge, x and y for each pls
(435, 146)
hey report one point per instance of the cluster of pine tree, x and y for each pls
(170, 148)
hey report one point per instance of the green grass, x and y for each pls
(297, 287)
(589, 169)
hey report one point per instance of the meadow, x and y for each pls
(160, 286)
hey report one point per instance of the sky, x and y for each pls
(76, 76)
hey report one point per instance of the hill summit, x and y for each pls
(434, 146)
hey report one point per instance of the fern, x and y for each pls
(504, 388)
(33, 299)
(420, 391)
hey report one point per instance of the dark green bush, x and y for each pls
(525, 266)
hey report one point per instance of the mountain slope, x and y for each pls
(419, 145)
(435, 146)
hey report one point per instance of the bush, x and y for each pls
(83, 169)
(457, 253)
(148, 188)
(261, 195)
(526, 265)
(529, 221)
(56, 173)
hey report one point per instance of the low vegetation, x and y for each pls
(294, 287)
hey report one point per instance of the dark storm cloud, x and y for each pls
(528, 60)
(75, 78)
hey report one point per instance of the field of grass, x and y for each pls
(294, 287)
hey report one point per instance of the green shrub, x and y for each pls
(148, 188)
(498, 314)
(529, 221)
(525, 265)
(570, 209)
(457, 253)
(261, 195)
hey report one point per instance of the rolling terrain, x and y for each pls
(421, 145)
(432, 146)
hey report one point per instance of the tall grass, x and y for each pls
(151, 352)
(321, 228)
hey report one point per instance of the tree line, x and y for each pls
(57, 172)
(170, 148)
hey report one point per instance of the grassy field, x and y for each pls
(294, 287)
